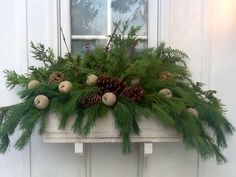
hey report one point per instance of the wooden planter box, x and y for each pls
(104, 131)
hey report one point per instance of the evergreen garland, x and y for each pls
(119, 60)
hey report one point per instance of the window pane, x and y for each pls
(81, 46)
(88, 17)
(142, 44)
(136, 11)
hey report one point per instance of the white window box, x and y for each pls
(104, 131)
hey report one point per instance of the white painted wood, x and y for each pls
(186, 32)
(109, 161)
(148, 149)
(65, 24)
(220, 29)
(99, 37)
(206, 11)
(89, 37)
(54, 33)
(181, 27)
(55, 160)
(172, 160)
(152, 22)
(51, 160)
(109, 17)
(164, 21)
(88, 160)
(13, 57)
(140, 149)
(147, 166)
(105, 131)
(79, 148)
(22, 36)
(205, 29)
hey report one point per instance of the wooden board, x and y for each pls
(105, 131)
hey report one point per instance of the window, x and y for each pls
(87, 23)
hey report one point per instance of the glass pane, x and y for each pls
(88, 17)
(136, 11)
(142, 45)
(81, 46)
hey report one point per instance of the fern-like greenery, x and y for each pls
(119, 60)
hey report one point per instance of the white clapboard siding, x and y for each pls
(13, 56)
(205, 29)
(221, 46)
(49, 160)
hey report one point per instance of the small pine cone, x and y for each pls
(56, 77)
(133, 93)
(92, 99)
(110, 84)
(165, 75)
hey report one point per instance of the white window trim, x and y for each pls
(65, 23)
(94, 37)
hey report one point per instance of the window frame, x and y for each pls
(65, 24)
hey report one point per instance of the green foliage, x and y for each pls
(124, 120)
(45, 55)
(207, 133)
(26, 116)
(169, 55)
(27, 125)
(13, 79)
(92, 114)
(68, 106)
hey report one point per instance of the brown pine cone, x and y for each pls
(165, 75)
(110, 84)
(56, 77)
(92, 99)
(133, 93)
